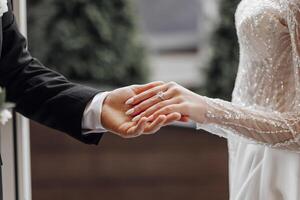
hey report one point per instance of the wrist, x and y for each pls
(199, 109)
(105, 112)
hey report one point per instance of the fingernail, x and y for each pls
(129, 101)
(129, 112)
(136, 118)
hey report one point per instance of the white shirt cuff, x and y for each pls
(91, 121)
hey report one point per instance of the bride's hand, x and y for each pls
(165, 99)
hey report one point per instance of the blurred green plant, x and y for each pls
(87, 40)
(222, 67)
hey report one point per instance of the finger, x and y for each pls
(160, 122)
(138, 129)
(142, 95)
(141, 88)
(124, 128)
(154, 100)
(167, 110)
(155, 125)
(146, 94)
(154, 108)
(172, 118)
(143, 106)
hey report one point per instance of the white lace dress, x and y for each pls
(262, 123)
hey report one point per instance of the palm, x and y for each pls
(114, 110)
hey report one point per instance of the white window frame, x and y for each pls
(15, 140)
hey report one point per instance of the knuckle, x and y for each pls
(153, 100)
(180, 99)
(160, 105)
(153, 92)
(175, 90)
(137, 109)
(144, 113)
(172, 91)
(137, 98)
(147, 93)
(171, 84)
(160, 82)
(168, 109)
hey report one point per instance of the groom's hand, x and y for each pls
(114, 119)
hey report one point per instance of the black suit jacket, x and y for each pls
(38, 92)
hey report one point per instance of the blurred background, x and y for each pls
(109, 44)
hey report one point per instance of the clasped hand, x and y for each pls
(164, 100)
(114, 118)
(143, 109)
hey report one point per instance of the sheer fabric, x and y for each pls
(262, 123)
(265, 105)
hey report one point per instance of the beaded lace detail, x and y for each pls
(265, 106)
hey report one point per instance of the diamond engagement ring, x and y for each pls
(161, 95)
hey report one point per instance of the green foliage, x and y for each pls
(87, 40)
(222, 69)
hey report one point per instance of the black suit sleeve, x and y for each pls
(38, 92)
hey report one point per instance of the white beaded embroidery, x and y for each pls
(265, 107)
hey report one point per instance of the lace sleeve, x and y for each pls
(280, 130)
(274, 129)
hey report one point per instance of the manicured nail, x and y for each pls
(129, 112)
(136, 118)
(129, 101)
